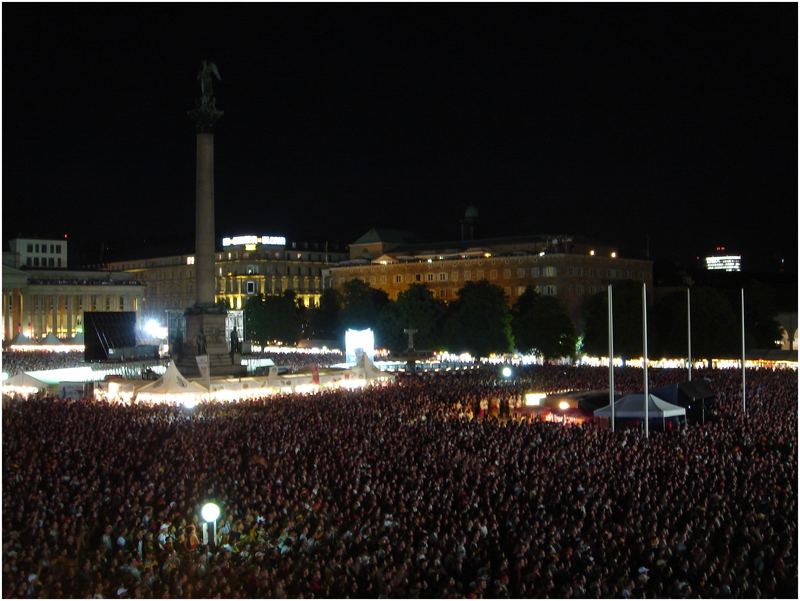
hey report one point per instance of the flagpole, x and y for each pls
(689, 327)
(644, 362)
(611, 354)
(744, 382)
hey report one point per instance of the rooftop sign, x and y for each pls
(244, 240)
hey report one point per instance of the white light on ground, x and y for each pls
(210, 512)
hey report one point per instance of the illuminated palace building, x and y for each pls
(561, 266)
(246, 267)
(41, 296)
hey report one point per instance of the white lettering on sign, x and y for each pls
(242, 240)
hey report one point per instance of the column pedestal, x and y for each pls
(219, 359)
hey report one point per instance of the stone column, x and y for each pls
(7, 335)
(205, 320)
(70, 311)
(204, 220)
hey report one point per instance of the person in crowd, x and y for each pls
(388, 492)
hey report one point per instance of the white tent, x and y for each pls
(22, 383)
(51, 339)
(22, 340)
(631, 406)
(172, 387)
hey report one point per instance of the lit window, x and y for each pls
(398, 279)
(442, 277)
(430, 277)
(190, 260)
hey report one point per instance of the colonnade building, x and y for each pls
(246, 267)
(567, 267)
(39, 301)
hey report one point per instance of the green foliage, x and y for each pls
(361, 305)
(627, 321)
(670, 337)
(760, 316)
(268, 318)
(325, 318)
(479, 321)
(715, 327)
(414, 308)
(541, 324)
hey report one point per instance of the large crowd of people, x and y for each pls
(389, 491)
(300, 361)
(15, 362)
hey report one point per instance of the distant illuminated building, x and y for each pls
(720, 261)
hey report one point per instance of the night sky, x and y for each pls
(678, 122)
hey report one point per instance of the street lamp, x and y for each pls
(210, 513)
(506, 371)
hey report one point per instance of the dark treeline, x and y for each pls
(480, 320)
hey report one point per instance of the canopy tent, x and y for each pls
(21, 340)
(631, 406)
(77, 339)
(22, 383)
(172, 387)
(365, 369)
(694, 396)
(51, 340)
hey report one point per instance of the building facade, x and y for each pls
(247, 266)
(564, 267)
(39, 301)
(35, 252)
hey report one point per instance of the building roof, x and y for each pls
(385, 235)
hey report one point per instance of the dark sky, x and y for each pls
(612, 121)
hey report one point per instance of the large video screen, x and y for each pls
(103, 331)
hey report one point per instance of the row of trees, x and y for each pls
(481, 322)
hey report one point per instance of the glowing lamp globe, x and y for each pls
(210, 512)
(563, 405)
(506, 372)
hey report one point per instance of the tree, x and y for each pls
(670, 325)
(272, 318)
(361, 305)
(325, 318)
(760, 316)
(627, 321)
(479, 321)
(714, 324)
(541, 324)
(414, 308)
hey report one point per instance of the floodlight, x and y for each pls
(210, 512)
